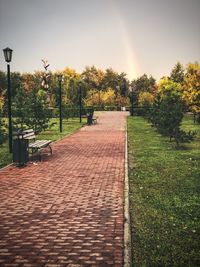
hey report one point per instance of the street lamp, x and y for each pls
(8, 57)
(99, 89)
(60, 77)
(80, 101)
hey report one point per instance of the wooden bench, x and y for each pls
(35, 146)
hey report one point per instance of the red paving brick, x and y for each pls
(68, 209)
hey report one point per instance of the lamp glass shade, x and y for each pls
(8, 54)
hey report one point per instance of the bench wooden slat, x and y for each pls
(29, 131)
(40, 143)
(29, 136)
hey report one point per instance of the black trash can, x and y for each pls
(20, 151)
(89, 118)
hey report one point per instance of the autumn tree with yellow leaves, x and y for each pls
(191, 88)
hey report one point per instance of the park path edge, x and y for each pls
(127, 230)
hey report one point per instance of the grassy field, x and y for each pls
(164, 197)
(53, 133)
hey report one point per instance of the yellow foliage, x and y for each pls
(70, 73)
(145, 97)
(106, 98)
(122, 101)
(92, 98)
(1, 103)
(191, 88)
(165, 84)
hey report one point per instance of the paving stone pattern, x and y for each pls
(68, 209)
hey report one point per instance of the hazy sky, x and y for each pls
(131, 36)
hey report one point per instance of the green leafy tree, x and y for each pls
(3, 131)
(177, 74)
(93, 77)
(144, 84)
(116, 82)
(168, 112)
(145, 102)
(16, 82)
(20, 108)
(3, 83)
(37, 111)
(28, 81)
(70, 85)
(123, 84)
(191, 88)
(110, 79)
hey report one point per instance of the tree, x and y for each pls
(93, 77)
(16, 82)
(28, 81)
(177, 73)
(122, 101)
(123, 84)
(191, 87)
(145, 101)
(37, 112)
(20, 108)
(145, 97)
(3, 83)
(70, 85)
(167, 85)
(110, 79)
(144, 84)
(107, 98)
(3, 132)
(168, 111)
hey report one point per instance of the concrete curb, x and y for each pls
(127, 230)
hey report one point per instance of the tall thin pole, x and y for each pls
(80, 102)
(9, 110)
(60, 104)
(99, 97)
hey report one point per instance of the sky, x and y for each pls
(131, 36)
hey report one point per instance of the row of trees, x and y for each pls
(185, 82)
(32, 102)
(174, 95)
(95, 83)
(106, 87)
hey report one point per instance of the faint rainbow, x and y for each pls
(130, 56)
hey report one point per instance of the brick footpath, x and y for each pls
(68, 209)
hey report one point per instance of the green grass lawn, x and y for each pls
(164, 197)
(53, 133)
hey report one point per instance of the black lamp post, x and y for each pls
(60, 99)
(80, 101)
(8, 57)
(99, 89)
